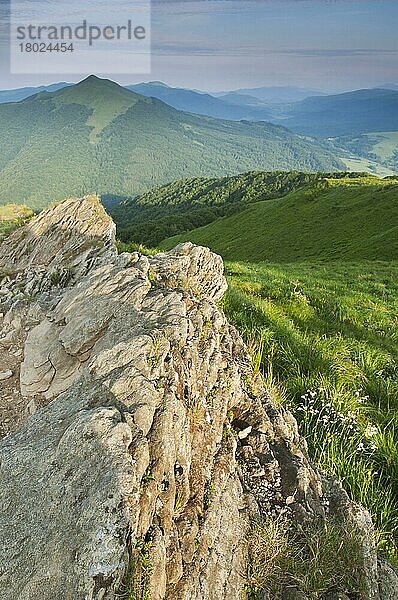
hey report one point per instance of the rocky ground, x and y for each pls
(140, 451)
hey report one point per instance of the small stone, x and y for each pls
(336, 596)
(31, 407)
(9, 337)
(245, 432)
(293, 593)
(5, 375)
(16, 323)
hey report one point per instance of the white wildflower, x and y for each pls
(371, 430)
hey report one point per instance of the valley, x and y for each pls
(97, 136)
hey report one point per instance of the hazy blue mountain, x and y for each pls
(201, 103)
(244, 100)
(275, 94)
(388, 86)
(361, 111)
(21, 93)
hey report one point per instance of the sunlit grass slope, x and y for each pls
(335, 219)
(326, 338)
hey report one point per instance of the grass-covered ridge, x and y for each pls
(335, 218)
(181, 206)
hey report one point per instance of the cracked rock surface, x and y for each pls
(131, 417)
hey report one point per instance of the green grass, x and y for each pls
(11, 217)
(335, 219)
(139, 573)
(328, 341)
(321, 559)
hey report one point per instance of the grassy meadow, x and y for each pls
(378, 149)
(325, 336)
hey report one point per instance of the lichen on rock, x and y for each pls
(145, 448)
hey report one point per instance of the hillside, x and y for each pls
(184, 205)
(99, 137)
(324, 336)
(360, 111)
(337, 218)
(380, 146)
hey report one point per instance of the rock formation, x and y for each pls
(139, 449)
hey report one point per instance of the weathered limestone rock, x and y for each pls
(388, 581)
(151, 441)
(71, 234)
(63, 495)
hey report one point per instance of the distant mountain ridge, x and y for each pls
(187, 98)
(19, 94)
(275, 94)
(360, 111)
(97, 136)
(202, 103)
(304, 111)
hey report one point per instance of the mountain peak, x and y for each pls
(97, 81)
(91, 90)
(159, 83)
(106, 99)
(92, 78)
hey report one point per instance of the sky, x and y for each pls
(215, 45)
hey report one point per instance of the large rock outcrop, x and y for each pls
(138, 445)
